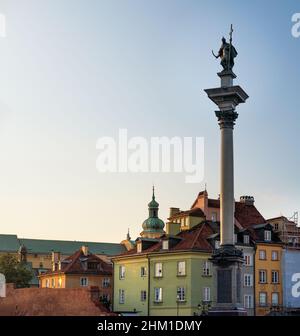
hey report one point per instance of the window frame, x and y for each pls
(159, 298)
(121, 296)
(275, 272)
(181, 262)
(158, 271)
(181, 294)
(262, 271)
(268, 235)
(206, 293)
(265, 254)
(266, 299)
(84, 283)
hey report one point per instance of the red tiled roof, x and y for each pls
(248, 215)
(193, 239)
(76, 264)
(196, 212)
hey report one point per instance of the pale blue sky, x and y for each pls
(73, 71)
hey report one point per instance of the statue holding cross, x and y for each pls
(227, 53)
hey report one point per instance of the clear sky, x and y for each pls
(72, 71)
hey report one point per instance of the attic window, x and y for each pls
(268, 235)
(92, 266)
(139, 247)
(246, 239)
(165, 244)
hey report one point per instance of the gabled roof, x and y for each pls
(196, 212)
(78, 262)
(248, 215)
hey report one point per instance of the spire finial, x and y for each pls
(128, 235)
(153, 192)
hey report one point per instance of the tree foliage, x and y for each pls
(15, 272)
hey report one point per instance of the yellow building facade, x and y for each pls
(268, 278)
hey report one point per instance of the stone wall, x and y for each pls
(51, 302)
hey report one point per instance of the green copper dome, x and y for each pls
(153, 224)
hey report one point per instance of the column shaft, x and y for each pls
(227, 186)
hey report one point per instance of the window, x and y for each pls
(143, 295)
(248, 259)
(275, 255)
(139, 247)
(262, 298)
(276, 226)
(53, 283)
(143, 271)
(158, 294)
(206, 268)
(122, 272)
(275, 277)
(275, 299)
(92, 265)
(105, 282)
(248, 280)
(84, 282)
(158, 270)
(59, 283)
(180, 294)
(217, 244)
(214, 217)
(165, 244)
(121, 296)
(262, 255)
(246, 239)
(262, 276)
(248, 301)
(268, 235)
(181, 268)
(47, 283)
(235, 238)
(206, 294)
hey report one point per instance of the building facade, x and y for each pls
(82, 269)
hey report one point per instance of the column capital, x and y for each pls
(227, 118)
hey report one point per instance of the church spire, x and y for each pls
(153, 226)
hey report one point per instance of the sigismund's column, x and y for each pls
(227, 259)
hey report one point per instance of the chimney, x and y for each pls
(248, 200)
(55, 260)
(85, 250)
(174, 211)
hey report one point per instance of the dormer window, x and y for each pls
(165, 244)
(268, 235)
(139, 247)
(217, 244)
(246, 239)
